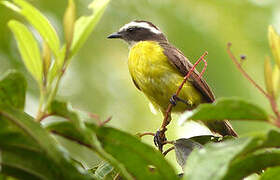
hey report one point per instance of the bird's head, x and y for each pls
(136, 31)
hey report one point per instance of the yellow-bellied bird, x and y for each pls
(157, 69)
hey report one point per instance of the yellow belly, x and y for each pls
(158, 79)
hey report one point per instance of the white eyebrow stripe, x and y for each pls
(142, 25)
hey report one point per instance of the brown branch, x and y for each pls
(272, 101)
(145, 134)
(168, 150)
(102, 123)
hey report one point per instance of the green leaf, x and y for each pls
(80, 153)
(47, 144)
(230, 109)
(28, 164)
(41, 24)
(85, 24)
(88, 136)
(271, 173)
(127, 149)
(136, 156)
(28, 48)
(213, 159)
(12, 89)
(231, 156)
(252, 163)
(65, 110)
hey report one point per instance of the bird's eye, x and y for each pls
(130, 29)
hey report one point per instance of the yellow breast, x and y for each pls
(157, 78)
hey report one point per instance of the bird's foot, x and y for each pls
(159, 139)
(174, 99)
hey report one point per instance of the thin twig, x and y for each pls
(145, 134)
(102, 123)
(168, 150)
(239, 67)
(204, 68)
(272, 101)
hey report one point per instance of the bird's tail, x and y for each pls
(223, 128)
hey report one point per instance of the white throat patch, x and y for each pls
(141, 25)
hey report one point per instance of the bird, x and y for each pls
(157, 69)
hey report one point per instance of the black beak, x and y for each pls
(115, 35)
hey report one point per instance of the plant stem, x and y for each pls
(41, 102)
(56, 86)
(272, 101)
(245, 74)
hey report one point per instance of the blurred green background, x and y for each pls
(98, 80)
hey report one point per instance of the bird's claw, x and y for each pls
(159, 139)
(174, 99)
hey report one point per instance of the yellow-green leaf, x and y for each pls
(268, 76)
(41, 24)
(68, 22)
(85, 24)
(274, 42)
(46, 55)
(276, 81)
(28, 48)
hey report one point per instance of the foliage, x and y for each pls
(34, 150)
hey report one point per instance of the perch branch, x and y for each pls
(145, 134)
(166, 120)
(168, 150)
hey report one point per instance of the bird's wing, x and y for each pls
(180, 62)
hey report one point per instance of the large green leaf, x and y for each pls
(223, 160)
(252, 163)
(12, 89)
(78, 126)
(28, 164)
(28, 48)
(271, 174)
(213, 159)
(230, 109)
(41, 24)
(136, 156)
(85, 24)
(48, 147)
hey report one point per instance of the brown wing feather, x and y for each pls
(177, 59)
